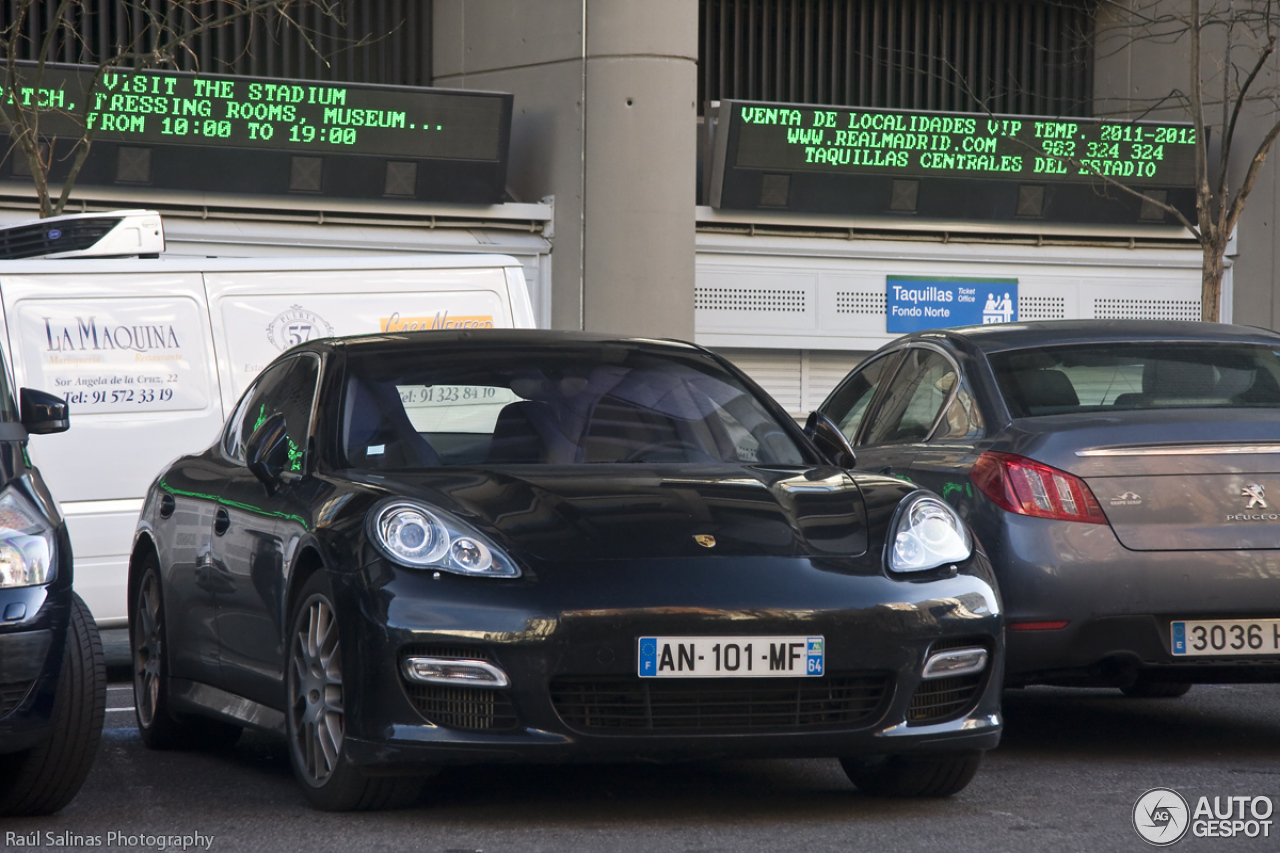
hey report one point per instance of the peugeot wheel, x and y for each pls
(316, 718)
(929, 775)
(43, 779)
(159, 728)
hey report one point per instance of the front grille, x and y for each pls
(12, 694)
(474, 708)
(943, 698)
(634, 705)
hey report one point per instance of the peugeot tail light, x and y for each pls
(1027, 487)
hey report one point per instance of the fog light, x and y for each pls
(451, 671)
(955, 662)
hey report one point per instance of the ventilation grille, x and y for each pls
(1028, 57)
(46, 238)
(749, 299)
(12, 694)
(472, 708)
(633, 705)
(859, 302)
(1042, 308)
(1146, 309)
(944, 698)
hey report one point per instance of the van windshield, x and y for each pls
(1107, 377)
(606, 404)
(8, 410)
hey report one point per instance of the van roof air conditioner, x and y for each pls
(116, 233)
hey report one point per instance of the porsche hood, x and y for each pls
(557, 513)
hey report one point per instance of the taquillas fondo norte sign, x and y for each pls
(916, 303)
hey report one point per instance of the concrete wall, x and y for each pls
(605, 121)
(1137, 72)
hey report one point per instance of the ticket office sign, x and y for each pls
(916, 303)
(116, 355)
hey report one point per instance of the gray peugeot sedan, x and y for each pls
(1123, 476)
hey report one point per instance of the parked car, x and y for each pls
(53, 682)
(1123, 477)
(420, 549)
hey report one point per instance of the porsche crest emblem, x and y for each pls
(705, 540)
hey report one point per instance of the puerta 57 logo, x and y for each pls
(1160, 816)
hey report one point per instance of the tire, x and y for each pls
(43, 779)
(1156, 689)
(936, 775)
(315, 715)
(148, 644)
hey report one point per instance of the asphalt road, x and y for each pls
(1072, 764)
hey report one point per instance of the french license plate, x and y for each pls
(730, 657)
(1222, 637)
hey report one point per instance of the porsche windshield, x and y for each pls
(417, 409)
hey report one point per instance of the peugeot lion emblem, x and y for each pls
(705, 540)
(1256, 494)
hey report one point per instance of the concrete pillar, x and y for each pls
(605, 121)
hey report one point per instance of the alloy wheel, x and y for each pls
(315, 690)
(147, 650)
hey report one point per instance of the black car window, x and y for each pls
(848, 405)
(582, 405)
(914, 398)
(286, 388)
(1106, 377)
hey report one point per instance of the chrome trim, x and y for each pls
(953, 662)
(469, 673)
(1181, 450)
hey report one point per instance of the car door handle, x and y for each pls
(221, 521)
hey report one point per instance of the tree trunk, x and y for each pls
(1211, 281)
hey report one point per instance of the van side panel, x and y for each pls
(258, 315)
(133, 356)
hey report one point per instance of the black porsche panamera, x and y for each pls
(421, 549)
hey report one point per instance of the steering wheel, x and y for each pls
(670, 446)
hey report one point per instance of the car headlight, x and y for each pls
(26, 542)
(926, 533)
(420, 537)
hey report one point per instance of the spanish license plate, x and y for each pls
(730, 657)
(1222, 637)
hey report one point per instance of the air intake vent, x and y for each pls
(636, 706)
(944, 698)
(118, 233)
(1042, 308)
(859, 302)
(472, 708)
(12, 694)
(749, 299)
(1146, 309)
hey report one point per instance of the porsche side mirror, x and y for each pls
(267, 451)
(43, 413)
(830, 440)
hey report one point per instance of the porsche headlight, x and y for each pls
(926, 534)
(26, 543)
(421, 537)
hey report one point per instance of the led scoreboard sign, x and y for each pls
(219, 133)
(857, 161)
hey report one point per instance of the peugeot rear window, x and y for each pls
(1104, 377)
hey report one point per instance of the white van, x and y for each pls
(152, 353)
